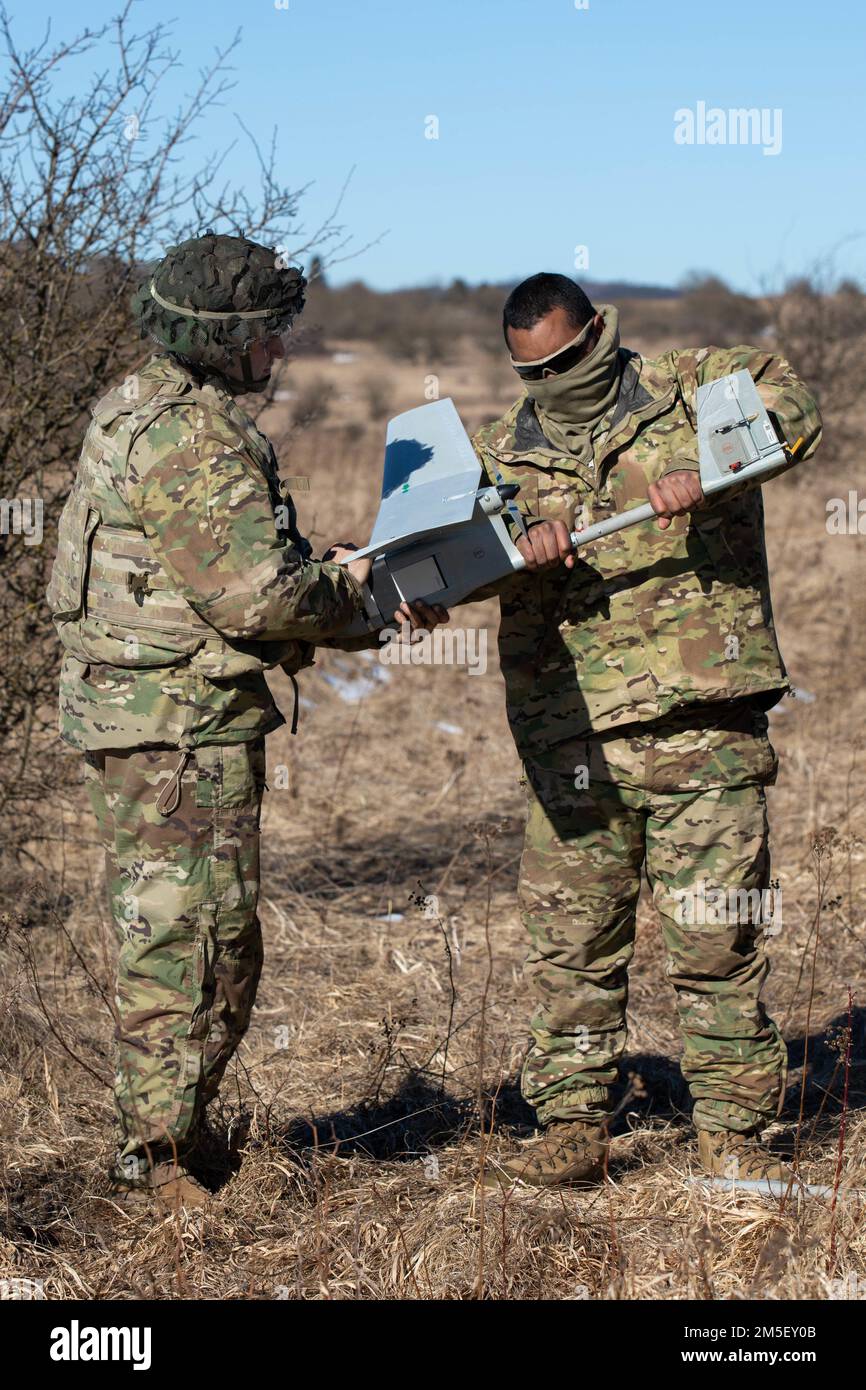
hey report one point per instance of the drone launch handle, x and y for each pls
(769, 465)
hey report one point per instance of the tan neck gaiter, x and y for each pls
(572, 405)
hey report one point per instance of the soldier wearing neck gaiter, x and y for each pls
(638, 674)
(575, 405)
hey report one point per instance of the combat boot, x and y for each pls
(567, 1153)
(741, 1158)
(168, 1184)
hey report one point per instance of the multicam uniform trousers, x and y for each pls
(181, 837)
(683, 800)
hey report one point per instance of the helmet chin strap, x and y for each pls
(246, 369)
(252, 383)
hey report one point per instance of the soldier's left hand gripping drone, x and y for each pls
(439, 537)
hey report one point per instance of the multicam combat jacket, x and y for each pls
(180, 573)
(648, 621)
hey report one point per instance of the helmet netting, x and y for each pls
(217, 274)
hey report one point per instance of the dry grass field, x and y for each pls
(381, 1064)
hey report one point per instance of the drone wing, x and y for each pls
(735, 432)
(430, 478)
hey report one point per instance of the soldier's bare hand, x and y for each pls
(359, 569)
(547, 544)
(675, 495)
(421, 616)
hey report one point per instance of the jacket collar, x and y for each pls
(170, 370)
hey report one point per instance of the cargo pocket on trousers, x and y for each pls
(767, 757)
(203, 970)
(755, 758)
(227, 774)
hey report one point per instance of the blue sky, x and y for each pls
(555, 128)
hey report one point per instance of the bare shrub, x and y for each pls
(423, 325)
(822, 330)
(708, 312)
(377, 397)
(313, 403)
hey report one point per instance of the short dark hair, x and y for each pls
(535, 297)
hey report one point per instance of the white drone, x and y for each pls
(439, 537)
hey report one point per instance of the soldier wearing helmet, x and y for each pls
(181, 577)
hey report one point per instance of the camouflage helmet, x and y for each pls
(212, 296)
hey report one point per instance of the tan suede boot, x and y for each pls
(169, 1185)
(739, 1157)
(567, 1153)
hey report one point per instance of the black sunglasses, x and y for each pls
(561, 361)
